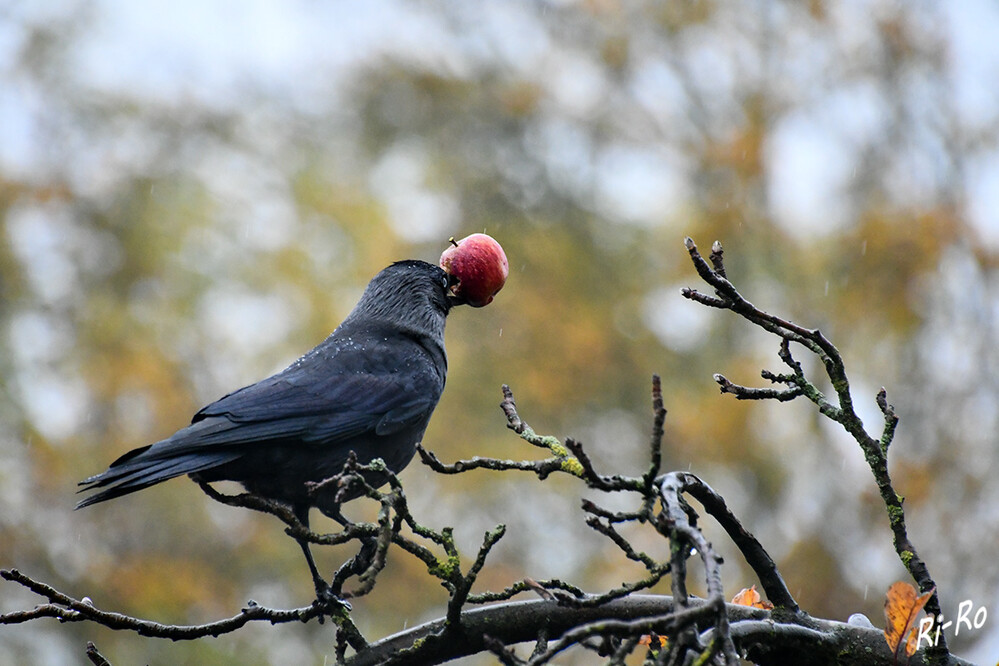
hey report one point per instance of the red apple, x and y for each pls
(480, 265)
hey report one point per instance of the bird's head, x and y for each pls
(406, 289)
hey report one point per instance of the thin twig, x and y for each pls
(95, 657)
(68, 609)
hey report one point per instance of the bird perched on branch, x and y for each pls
(369, 388)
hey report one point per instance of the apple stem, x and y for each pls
(452, 241)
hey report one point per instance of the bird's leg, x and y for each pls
(324, 593)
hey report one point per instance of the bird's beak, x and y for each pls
(452, 288)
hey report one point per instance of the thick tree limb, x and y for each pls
(823, 642)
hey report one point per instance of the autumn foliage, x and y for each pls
(902, 607)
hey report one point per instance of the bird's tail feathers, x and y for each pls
(136, 473)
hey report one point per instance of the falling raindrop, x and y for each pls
(863, 247)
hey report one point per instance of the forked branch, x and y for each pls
(840, 409)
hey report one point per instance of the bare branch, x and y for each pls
(674, 522)
(747, 393)
(542, 588)
(69, 609)
(875, 450)
(542, 468)
(756, 556)
(607, 529)
(509, 407)
(95, 657)
(656, 438)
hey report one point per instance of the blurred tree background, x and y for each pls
(193, 194)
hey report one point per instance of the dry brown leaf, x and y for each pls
(647, 640)
(536, 586)
(902, 605)
(750, 597)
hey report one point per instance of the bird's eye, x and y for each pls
(444, 281)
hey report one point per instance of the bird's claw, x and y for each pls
(329, 600)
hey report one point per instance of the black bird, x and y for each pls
(370, 388)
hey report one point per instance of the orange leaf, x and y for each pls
(748, 596)
(902, 605)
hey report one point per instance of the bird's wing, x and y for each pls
(322, 408)
(319, 401)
